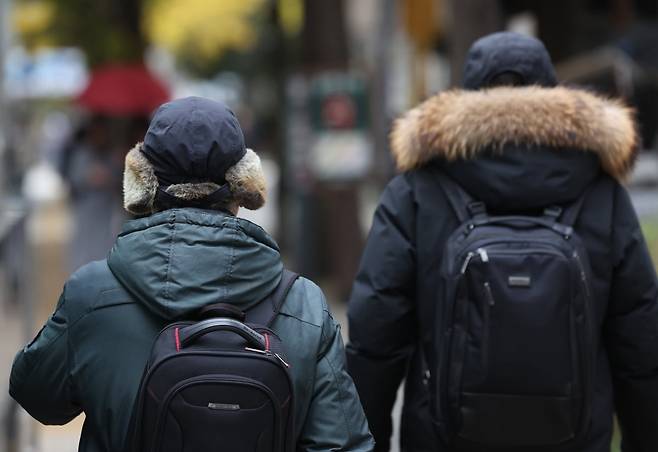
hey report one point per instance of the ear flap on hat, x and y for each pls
(139, 183)
(247, 181)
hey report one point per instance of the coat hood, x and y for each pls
(519, 145)
(179, 260)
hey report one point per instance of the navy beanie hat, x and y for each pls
(502, 52)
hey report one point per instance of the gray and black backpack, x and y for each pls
(514, 343)
(220, 383)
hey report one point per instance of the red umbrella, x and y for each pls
(123, 90)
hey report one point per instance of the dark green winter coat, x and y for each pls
(90, 355)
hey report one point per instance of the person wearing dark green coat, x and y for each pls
(186, 250)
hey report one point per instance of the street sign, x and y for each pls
(341, 148)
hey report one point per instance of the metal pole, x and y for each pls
(15, 245)
(5, 9)
(472, 19)
(379, 101)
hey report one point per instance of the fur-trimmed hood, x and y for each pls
(461, 125)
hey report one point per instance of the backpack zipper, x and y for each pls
(467, 260)
(587, 346)
(268, 353)
(221, 379)
(484, 257)
(490, 298)
(486, 333)
(581, 270)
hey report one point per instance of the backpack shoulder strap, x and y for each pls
(571, 212)
(462, 203)
(266, 311)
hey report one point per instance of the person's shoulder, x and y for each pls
(406, 180)
(409, 184)
(306, 302)
(91, 286)
(609, 192)
(93, 277)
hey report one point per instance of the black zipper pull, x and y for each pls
(581, 270)
(490, 297)
(255, 350)
(467, 260)
(281, 359)
(484, 257)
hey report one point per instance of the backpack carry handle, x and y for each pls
(512, 220)
(192, 332)
(221, 310)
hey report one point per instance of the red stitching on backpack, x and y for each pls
(267, 341)
(177, 336)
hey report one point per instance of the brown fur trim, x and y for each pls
(139, 183)
(247, 181)
(459, 124)
(192, 191)
(201, 190)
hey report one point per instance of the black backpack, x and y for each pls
(514, 345)
(218, 384)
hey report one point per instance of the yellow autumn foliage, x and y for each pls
(31, 20)
(206, 28)
(31, 17)
(202, 30)
(291, 15)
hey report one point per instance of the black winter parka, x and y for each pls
(518, 150)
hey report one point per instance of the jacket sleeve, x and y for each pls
(631, 331)
(40, 380)
(335, 419)
(382, 318)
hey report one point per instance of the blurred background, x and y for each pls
(315, 84)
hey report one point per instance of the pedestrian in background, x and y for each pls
(518, 144)
(91, 166)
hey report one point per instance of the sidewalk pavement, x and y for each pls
(47, 237)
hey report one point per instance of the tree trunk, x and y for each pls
(324, 39)
(471, 20)
(325, 49)
(558, 25)
(380, 90)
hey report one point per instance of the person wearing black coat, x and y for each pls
(516, 141)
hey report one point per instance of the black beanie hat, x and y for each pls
(193, 140)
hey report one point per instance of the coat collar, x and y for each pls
(460, 124)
